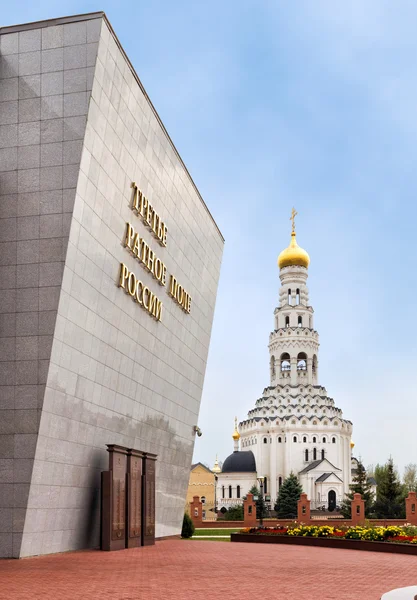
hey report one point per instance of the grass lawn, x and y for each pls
(216, 532)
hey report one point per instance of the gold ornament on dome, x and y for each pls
(293, 255)
(236, 434)
(352, 444)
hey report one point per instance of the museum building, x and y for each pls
(110, 261)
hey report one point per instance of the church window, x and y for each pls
(297, 296)
(285, 362)
(304, 422)
(203, 499)
(289, 297)
(322, 454)
(324, 440)
(238, 491)
(315, 422)
(279, 482)
(265, 441)
(325, 422)
(256, 441)
(314, 439)
(287, 321)
(302, 361)
(222, 491)
(294, 439)
(314, 453)
(265, 485)
(230, 491)
(279, 440)
(306, 455)
(333, 440)
(300, 321)
(335, 423)
(293, 421)
(305, 439)
(314, 365)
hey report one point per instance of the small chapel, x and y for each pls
(294, 426)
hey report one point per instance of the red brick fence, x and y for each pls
(303, 514)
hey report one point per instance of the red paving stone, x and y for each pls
(201, 570)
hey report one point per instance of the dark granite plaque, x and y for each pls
(134, 467)
(148, 495)
(113, 516)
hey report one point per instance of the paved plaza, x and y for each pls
(196, 570)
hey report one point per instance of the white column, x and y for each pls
(273, 467)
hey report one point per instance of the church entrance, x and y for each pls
(331, 501)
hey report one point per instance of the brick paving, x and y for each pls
(201, 570)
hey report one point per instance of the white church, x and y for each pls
(295, 426)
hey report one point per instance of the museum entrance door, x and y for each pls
(331, 501)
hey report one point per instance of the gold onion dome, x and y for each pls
(352, 444)
(236, 434)
(216, 468)
(293, 255)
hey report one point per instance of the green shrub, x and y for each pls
(235, 513)
(187, 527)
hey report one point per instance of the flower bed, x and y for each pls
(391, 539)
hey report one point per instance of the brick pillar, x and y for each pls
(249, 511)
(358, 509)
(303, 509)
(411, 508)
(196, 511)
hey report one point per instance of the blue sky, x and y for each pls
(311, 104)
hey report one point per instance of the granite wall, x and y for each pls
(82, 364)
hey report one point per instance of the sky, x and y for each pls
(312, 104)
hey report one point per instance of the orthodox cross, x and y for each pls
(292, 218)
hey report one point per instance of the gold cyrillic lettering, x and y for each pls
(124, 273)
(130, 232)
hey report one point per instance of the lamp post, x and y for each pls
(261, 501)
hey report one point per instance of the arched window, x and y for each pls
(289, 297)
(297, 296)
(314, 439)
(304, 439)
(333, 440)
(265, 485)
(222, 491)
(285, 362)
(294, 439)
(302, 361)
(300, 321)
(265, 441)
(314, 453)
(287, 321)
(279, 440)
(203, 499)
(279, 482)
(314, 365)
(230, 491)
(238, 491)
(322, 454)
(306, 455)
(324, 440)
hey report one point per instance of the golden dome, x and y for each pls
(293, 255)
(236, 434)
(352, 444)
(216, 468)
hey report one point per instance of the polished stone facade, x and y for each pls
(81, 364)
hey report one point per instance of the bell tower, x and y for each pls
(293, 345)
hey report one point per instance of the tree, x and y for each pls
(234, 513)
(360, 485)
(390, 495)
(187, 527)
(289, 494)
(260, 502)
(410, 477)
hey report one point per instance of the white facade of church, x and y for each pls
(295, 426)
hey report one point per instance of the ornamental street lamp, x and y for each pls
(261, 501)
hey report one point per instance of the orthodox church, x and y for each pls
(295, 426)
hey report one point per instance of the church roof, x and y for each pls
(326, 476)
(199, 464)
(242, 461)
(315, 464)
